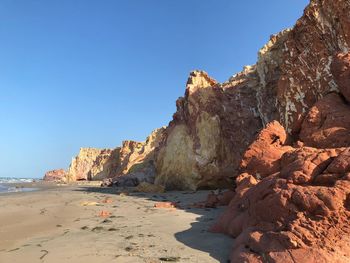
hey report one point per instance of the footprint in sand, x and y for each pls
(97, 229)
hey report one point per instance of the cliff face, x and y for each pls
(295, 66)
(291, 200)
(131, 157)
(278, 132)
(212, 127)
(94, 164)
(303, 182)
(215, 123)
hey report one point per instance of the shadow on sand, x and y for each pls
(197, 237)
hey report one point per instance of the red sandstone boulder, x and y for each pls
(277, 220)
(304, 165)
(55, 175)
(216, 199)
(262, 157)
(327, 125)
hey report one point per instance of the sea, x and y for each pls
(8, 184)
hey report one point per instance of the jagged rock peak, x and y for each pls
(199, 79)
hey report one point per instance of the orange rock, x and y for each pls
(104, 213)
(263, 156)
(215, 199)
(327, 125)
(55, 176)
(165, 205)
(107, 200)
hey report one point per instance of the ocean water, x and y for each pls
(8, 184)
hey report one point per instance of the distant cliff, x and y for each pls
(131, 157)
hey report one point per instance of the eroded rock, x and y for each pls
(327, 125)
(284, 220)
(93, 164)
(262, 157)
(124, 166)
(55, 175)
(210, 131)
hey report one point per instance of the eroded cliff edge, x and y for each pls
(131, 163)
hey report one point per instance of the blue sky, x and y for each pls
(89, 73)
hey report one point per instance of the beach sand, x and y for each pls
(63, 224)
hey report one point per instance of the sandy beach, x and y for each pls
(84, 223)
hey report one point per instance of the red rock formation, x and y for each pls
(55, 175)
(216, 199)
(210, 131)
(327, 125)
(341, 72)
(300, 214)
(215, 123)
(262, 157)
(294, 67)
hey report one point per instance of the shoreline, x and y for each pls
(63, 223)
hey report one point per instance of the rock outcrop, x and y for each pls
(94, 164)
(137, 160)
(327, 125)
(128, 165)
(55, 175)
(291, 201)
(215, 123)
(295, 66)
(299, 214)
(341, 72)
(292, 204)
(210, 131)
(262, 157)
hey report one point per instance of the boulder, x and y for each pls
(327, 125)
(263, 156)
(283, 219)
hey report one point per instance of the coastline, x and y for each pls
(62, 223)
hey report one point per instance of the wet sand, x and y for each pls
(63, 224)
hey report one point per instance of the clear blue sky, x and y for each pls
(78, 73)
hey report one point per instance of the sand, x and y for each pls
(62, 224)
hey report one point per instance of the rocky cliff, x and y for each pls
(135, 159)
(277, 133)
(94, 164)
(215, 123)
(212, 127)
(302, 181)
(291, 200)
